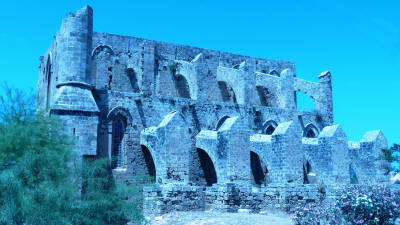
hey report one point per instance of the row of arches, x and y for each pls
(120, 120)
(119, 128)
(102, 73)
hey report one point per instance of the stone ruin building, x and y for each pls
(216, 130)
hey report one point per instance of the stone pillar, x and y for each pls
(287, 99)
(169, 144)
(325, 105)
(147, 85)
(234, 143)
(370, 167)
(331, 160)
(286, 147)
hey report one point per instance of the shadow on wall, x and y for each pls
(259, 170)
(207, 166)
(182, 86)
(151, 168)
(227, 93)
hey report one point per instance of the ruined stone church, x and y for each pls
(214, 129)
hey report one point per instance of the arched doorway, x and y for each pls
(207, 166)
(149, 163)
(117, 150)
(259, 170)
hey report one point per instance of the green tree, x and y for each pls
(43, 182)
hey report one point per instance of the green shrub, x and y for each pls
(43, 182)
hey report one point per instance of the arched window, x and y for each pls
(221, 121)
(269, 127)
(259, 170)
(310, 131)
(48, 79)
(207, 166)
(117, 153)
(182, 86)
(102, 66)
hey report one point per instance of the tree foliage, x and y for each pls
(43, 182)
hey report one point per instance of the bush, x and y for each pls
(355, 205)
(43, 182)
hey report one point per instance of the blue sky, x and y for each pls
(358, 41)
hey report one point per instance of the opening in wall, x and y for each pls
(227, 93)
(269, 127)
(309, 177)
(310, 131)
(304, 102)
(118, 132)
(182, 86)
(149, 163)
(259, 170)
(207, 166)
(221, 121)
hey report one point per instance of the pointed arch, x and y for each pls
(258, 168)
(221, 121)
(208, 167)
(310, 131)
(118, 120)
(182, 86)
(274, 73)
(102, 48)
(149, 163)
(102, 66)
(269, 127)
(118, 110)
(117, 146)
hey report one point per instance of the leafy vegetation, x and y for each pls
(43, 182)
(355, 205)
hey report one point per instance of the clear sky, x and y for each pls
(358, 41)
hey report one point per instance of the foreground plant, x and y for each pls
(43, 182)
(370, 205)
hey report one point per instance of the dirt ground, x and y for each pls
(211, 218)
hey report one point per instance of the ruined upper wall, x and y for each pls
(132, 64)
(135, 63)
(153, 68)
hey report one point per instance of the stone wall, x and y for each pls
(231, 197)
(207, 125)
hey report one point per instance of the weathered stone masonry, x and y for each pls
(216, 130)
